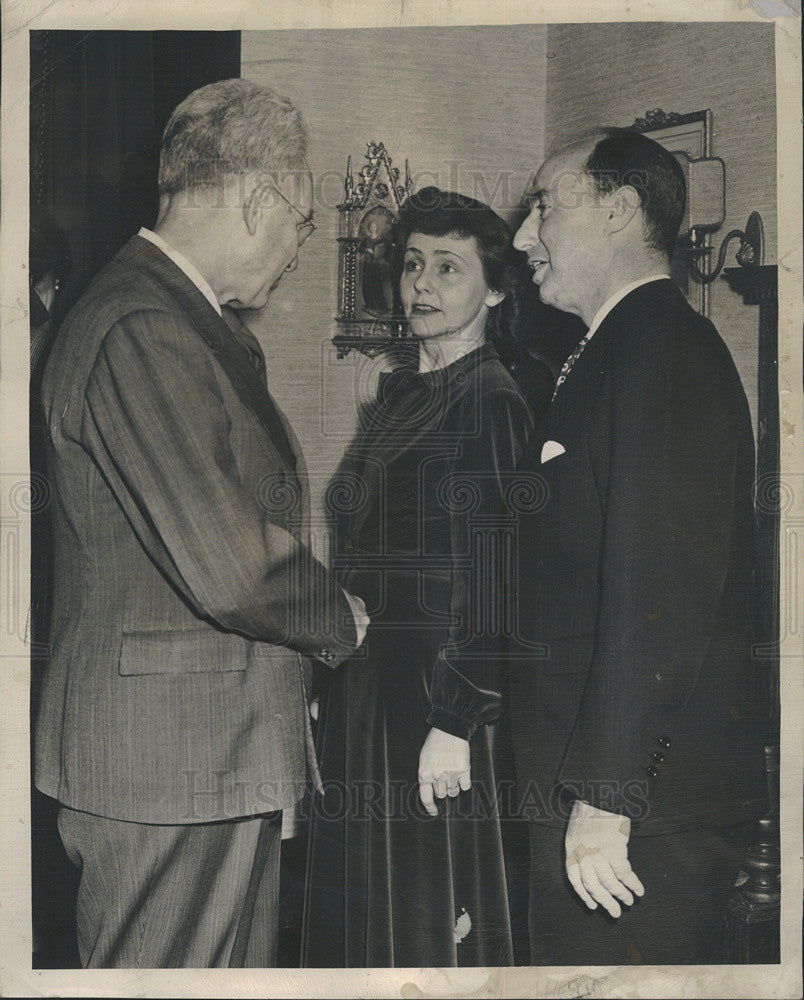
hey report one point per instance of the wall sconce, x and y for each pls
(750, 253)
(706, 211)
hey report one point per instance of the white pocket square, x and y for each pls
(551, 449)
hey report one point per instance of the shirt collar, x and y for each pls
(618, 296)
(189, 269)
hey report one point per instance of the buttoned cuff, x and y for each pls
(328, 657)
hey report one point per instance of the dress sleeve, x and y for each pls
(465, 684)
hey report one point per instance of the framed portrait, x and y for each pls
(375, 284)
(369, 315)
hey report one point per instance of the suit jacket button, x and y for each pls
(658, 756)
(653, 773)
(663, 742)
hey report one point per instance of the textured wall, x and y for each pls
(464, 104)
(473, 109)
(612, 74)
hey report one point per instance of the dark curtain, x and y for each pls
(99, 103)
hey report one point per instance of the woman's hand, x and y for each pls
(443, 768)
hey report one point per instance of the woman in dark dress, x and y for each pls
(405, 863)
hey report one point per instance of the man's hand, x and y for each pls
(443, 768)
(597, 858)
(362, 620)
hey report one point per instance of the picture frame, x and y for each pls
(370, 317)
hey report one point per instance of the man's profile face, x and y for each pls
(562, 234)
(282, 226)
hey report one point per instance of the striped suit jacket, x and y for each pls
(185, 596)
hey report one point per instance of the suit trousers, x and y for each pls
(162, 896)
(688, 877)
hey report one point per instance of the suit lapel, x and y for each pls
(247, 373)
(235, 348)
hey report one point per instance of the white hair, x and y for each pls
(230, 127)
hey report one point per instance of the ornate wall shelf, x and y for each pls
(369, 338)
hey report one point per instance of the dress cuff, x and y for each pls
(439, 718)
(460, 705)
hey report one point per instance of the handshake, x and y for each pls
(362, 620)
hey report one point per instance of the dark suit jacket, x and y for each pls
(636, 576)
(184, 595)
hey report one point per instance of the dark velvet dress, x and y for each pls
(423, 534)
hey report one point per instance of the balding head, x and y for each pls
(619, 157)
(606, 211)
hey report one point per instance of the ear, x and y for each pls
(255, 205)
(623, 205)
(494, 299)
(164, 207)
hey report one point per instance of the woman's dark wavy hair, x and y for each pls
(434, 212)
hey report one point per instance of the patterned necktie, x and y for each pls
(567, 366)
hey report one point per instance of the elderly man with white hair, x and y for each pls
(173, 727)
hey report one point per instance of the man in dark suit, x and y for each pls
(173, 726)
(633, 695)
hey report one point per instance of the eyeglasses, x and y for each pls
(305, 228)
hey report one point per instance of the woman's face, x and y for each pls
(443, 289)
